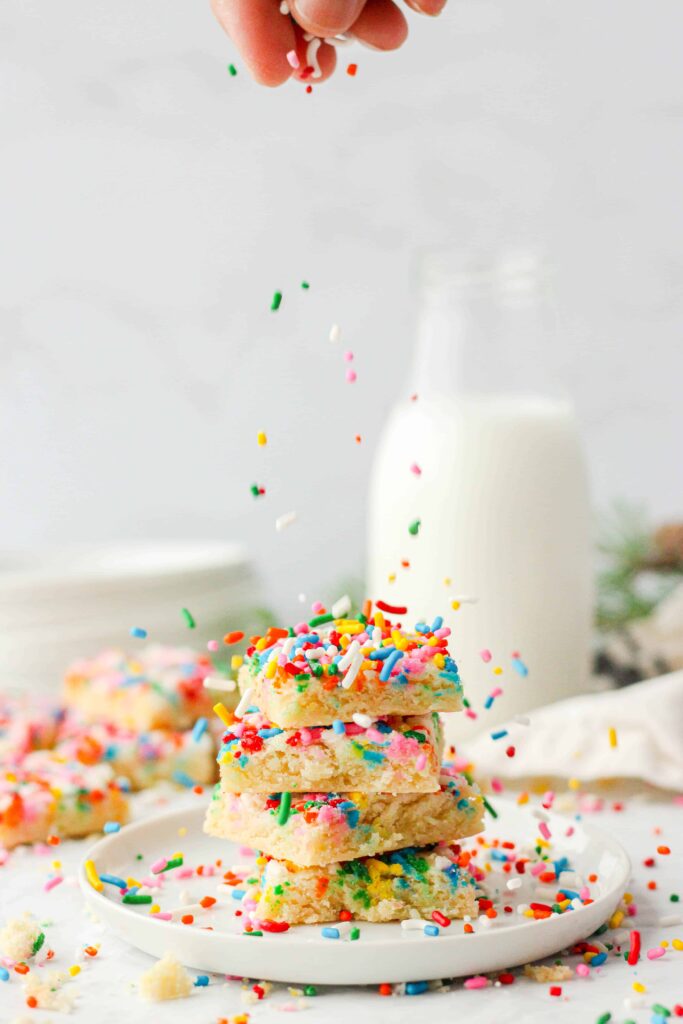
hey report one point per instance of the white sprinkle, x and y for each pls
(669, 920)
(244, 703)
(287, 645)
(284, 7)
(331, 650)
(312, 57)
(541, 815)
(353, 671)
(185, 898)
(513, 883)
(187, 908)
(349, 656)
(464, 599)
(413, 924)
(364, 721)
(282, 522)
(338, 40)
(335, 332)
(522, 720)
(377, 637)
(313, 653)
(341, 607)
(522, 908)
(223, 685)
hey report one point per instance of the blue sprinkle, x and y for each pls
(237, 894)
(183, 779)
(431, 929)
(499, 734)
(389, 664)
(382, 653)
(570, 894)
(437, 623)
(243, 761)
(416, 988)
(267, 734)
(598, 959)
(4, 974)
(138, 632)
(201, 981)
(488, 702)
(383, 727)
(111, 826)
(338, 727)
(421, 627)
(113, 880)
(373, 755)
(520, 667)
(561, 865)
(330, 933)
(133, 889)
(498, 855)
(200, 727)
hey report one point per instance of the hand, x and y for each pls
(274, 45)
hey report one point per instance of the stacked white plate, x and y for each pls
(57, 605)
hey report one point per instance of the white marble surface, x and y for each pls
(106, 987)
(151, 204)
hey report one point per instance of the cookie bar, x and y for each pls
(391, 755)
(143, 758)
(317, 676)
(318, 828)
(26, 724)
(47, 795)
(159, 688)
(393, 886)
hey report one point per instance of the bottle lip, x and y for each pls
(507, 271)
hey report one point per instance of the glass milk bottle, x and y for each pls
(479, 493)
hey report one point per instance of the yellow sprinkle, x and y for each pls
(182, 831)
(497, 671)
(528, 913)
(271, 668)
(639, 987)
(344, 641)
(155, 908)
(627, 898)
(349, 626)
(391, 578)
(92, 876)
(574, 783)
(379, 619)
(223, 713)
(664, 944)
(74, 970)
(260, 645)
(226, 757)
(616, 918)
(439, 660)
(542, 842)
(130, 882)
(261, 861)
(447, 581)
(455, 605)
(236, 662)
(261, 438)
(56, 864)
(677, 943)
(523, 798)
(612, 737)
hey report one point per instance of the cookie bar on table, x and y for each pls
(26, 724)
(316, 676)
(390, 755)
(144, 758)
(318, 828)
(413, 882)
(48, 795)
(159, 688)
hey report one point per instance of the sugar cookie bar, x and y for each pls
(390, 887)
(317, 676)
(391, 755)
(159, 688)
(319, 828)
(26, 724)
(144, 758)
(47, 795)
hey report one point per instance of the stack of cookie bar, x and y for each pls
(331, 767)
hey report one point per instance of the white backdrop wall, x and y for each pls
(150, 205)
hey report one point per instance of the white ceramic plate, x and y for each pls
(384, 952)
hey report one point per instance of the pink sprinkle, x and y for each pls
(585, 893)
(348, 356)
(548, 798)
(443, 632)
(583, 970)
(158, 865)
(162, 916)
(317, 607)
(496, 785)
(246, 851)
(544, 830)
(212, 645)
(421, 763)
(496, 692)
(538, 869)
(485, 655)
(414, 468)
(351, 376)
(293, 59)
(470, 713)
(301, 627)
(52, 882)
(654, 954)
(570, 831)
(478, 981)
(183, 873)
(374, 735)
(632, 909)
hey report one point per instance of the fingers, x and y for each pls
(431, 7)
(326, 17)
(380, 25)
(262, 35)
(316, 59)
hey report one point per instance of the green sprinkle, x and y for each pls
(254, 490)
(138, 856)
(661, 1010)
(285, 804)
(310, 990)
(354, 934)
(232, 69)
(189, 618)
(305, 285)
(301, 677)
(39, 941)
(277, 299)
(319, 620)
(603, 1018)
(674, 897)
(132, 897)
(255, 935)
(487, 805)
(278, 890)
(414, 527)
(174, 862)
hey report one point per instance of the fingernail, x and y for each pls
(312, 11)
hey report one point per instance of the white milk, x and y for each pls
(503, 503)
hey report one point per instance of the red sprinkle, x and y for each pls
(273, 926)
(506, 978)
(634, 948)
(440, 918)
(187, 918)
(391, 609)
(32, 1002)
(555, 990)
(385, 989)
(351, 70)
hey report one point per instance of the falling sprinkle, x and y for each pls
(348, 356)
(335, 332)
(189, 618)
(612, 737)
(232, 69)
(414, 527)
(519, 667)
(277, 299)
(351, 376)
(257, 492)
(414, 468)
(485, 655)
(351, 70)
(138, 632)
(282, 522)
(305, 285)
(261, 439)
